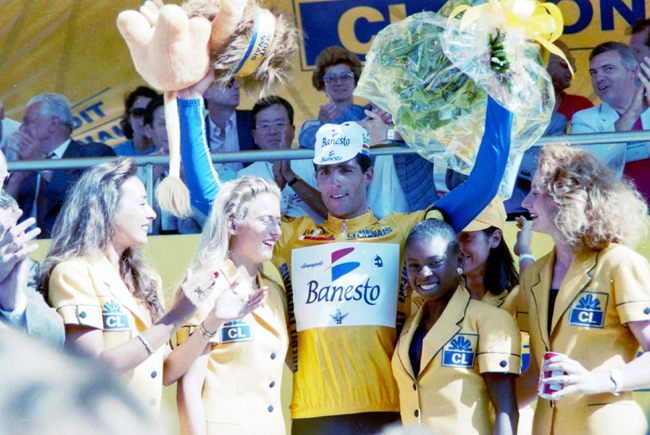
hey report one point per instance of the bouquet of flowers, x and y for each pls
(433, 73)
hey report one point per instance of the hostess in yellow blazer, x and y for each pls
(601, 292)
(89, 292)
(449, 394)
(242, 388)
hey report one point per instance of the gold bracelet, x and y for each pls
(146, 344)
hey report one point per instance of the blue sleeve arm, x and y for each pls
(307, 136)
(465, 202)
(201, 178)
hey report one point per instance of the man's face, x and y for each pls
(612, 82)
(272, 129)
(343, 188)
(559, 71)
(638, 42)
(227, 96)
(35, 124)
(157, 131)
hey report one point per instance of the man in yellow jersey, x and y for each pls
(346, 287)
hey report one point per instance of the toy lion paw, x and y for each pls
(169, 49)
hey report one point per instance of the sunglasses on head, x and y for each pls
(138, 112)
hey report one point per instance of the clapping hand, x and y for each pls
(233, 304)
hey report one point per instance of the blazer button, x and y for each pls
(272, 384)
(646, 311)
(503, 363)
(417, 413)
(83, 314)
(273, 355)
(271, 408)
(415, 387)
(154, 374)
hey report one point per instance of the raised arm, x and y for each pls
(464, 203)
(201, 178)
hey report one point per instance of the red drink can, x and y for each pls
(545, 390)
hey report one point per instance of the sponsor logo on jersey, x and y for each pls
(236, 331)
(115, 319)
(369, 234)
(589, 310)
(345, 284)
(338, 317)
(459, 352)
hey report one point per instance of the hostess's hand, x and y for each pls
(231, 306)
(578, 379)
(524, 237)
(193, 291)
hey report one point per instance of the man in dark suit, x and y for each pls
(227, 129)
(45, 134)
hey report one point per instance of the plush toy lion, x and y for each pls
(172, 48)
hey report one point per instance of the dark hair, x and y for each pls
(430, 228)
(639, 26)
(628, 57)
(129, 101)
(364, 161)
(334, 56)
(267, 102)
(500, 271)
(157, 102)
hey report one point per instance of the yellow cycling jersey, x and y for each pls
(348, 295)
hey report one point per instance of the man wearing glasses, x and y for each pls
(228, 129)
(273, 129)
(46, 134)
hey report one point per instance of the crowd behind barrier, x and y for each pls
(149, 161)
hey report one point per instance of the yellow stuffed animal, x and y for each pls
(172, 48)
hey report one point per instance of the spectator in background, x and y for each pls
(273, 129)
(614, 76)
(7, 127)
(640, 39)
(132, 124)
(228, 129)
(558, 69)
(337, 74)
(45, 134)
(21, 304)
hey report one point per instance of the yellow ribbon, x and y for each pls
(260, 43)
(541, 22)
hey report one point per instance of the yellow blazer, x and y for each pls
(506, 300)
(602, 291)
(89, 292)
(449, 394)
(243, 382)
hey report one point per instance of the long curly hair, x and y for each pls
(592, 208)
(230, 208)
(276, 66)
(85, 228)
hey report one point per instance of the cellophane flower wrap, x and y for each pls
(434, 80)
